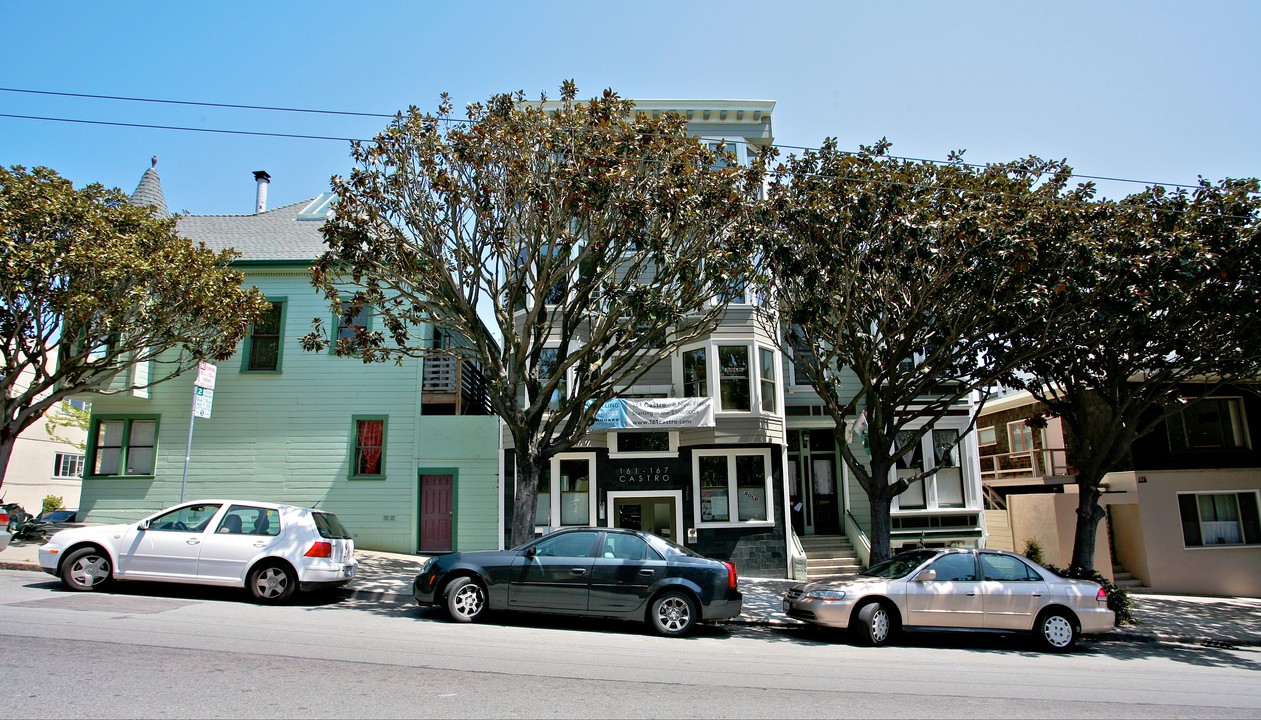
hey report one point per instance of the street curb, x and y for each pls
(1118, 636)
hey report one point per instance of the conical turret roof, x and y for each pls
(149, 191)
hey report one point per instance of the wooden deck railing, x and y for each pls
(1043, 462)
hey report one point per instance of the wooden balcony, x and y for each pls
(1043, 465)
(450, 386)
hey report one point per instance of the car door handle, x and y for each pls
(260, 544)
(647, 572)
(971, 594)
(1037, 594)
(192, 541)
(578, 571)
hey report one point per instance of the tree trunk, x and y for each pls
(881, 527)
(6, 451)
(525, 497)
(1088, 516)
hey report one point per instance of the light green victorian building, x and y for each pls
(406, 456)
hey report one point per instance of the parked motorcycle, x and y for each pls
(23, 525)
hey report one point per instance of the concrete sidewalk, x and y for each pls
(387, 577)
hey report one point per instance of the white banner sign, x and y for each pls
(655, 414)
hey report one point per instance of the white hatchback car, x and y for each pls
(271, 550)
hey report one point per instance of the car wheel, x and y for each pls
(272, 583)
(1056, 631)
(673, 614)
(85, 569)
(875, 624)
(465, 600)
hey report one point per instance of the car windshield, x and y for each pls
(329, 527)
(899, 565)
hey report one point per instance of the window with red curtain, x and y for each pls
(369, 445)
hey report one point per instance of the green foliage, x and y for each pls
(91, 286)
(914, 277)
(1159, 292)
(595, 239)
(1033, 551)
(1118, 597)
(67, 416)
(53, 502)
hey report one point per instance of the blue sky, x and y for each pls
(1159, 91)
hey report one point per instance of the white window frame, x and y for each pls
(1234, 494)
(966, 473)
(713, 378)
(732, 488)
(1025, 430)
(554, 492)
(613, 436)
(983, 432)
(59, 462)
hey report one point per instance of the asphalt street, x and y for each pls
(147, 650)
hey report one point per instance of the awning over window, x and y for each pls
(655, 414)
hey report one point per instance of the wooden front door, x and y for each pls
(435, 512)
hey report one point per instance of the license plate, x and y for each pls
(787, 606)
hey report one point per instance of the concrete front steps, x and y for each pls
(828, 555)
(1123, 578)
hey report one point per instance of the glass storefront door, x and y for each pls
(657, 514)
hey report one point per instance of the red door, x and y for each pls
(435, 513)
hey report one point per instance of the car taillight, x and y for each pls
(731, 575)
(4, 517)
(1101, 597)
(320, 549)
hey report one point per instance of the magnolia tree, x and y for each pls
(571, 245)
(1157, 309)
(91, 287)
(903, 289)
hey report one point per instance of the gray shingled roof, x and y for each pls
(149, 192)
(272, 235)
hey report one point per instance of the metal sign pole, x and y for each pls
(203, 396)
(188, 450)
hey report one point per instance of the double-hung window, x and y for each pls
(367, 442)
(263, 346)
(123, 446)
(695, 373)
(732, 486)
(549, 362)
(733, 377)
(942, 487)
(351, 321)
(1218, 519)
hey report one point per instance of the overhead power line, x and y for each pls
(346, 113)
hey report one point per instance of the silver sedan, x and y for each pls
(955, 589)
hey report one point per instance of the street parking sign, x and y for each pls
(202, 399)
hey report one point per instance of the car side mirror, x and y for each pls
(144, 525)
(531, 552)
(926, 576)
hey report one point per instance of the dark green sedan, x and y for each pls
(593, 572)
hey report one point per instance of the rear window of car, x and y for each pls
(329, 527)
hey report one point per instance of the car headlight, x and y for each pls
(824, 595)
